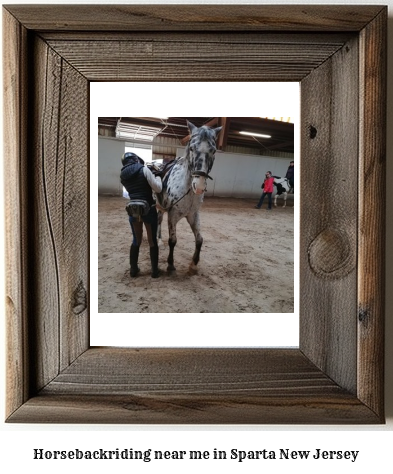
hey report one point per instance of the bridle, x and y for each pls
(194, 174)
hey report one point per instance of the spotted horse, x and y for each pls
(184, 185)
(283, 188)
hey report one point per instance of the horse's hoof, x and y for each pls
(192, 269)
(171, 268)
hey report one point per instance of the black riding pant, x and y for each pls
(150, 222)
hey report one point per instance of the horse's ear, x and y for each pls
(217, 130)
(191, 127)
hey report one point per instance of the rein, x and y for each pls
(168, 172)
(193, 173)
(174, 204)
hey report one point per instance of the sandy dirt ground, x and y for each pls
(246, 266)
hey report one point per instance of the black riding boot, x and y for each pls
(155, 272)
(134, 254)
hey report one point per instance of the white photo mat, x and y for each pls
(171, 99)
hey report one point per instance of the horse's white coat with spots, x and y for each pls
(183, 190)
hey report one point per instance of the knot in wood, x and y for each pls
(330, 254)
(313, 132)
(80, 299)
(364, 317)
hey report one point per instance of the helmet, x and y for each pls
(129, 157)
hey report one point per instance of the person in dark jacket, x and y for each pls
(139, 182)
(289, 174)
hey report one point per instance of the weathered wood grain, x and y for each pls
(157, 60)
(193, 386)
(329, 216)
(239, 409)
(52, 374)
(208, 371)
(371, 230)
(59, 170)
(192, 36)
(188, 17)
(16, 226)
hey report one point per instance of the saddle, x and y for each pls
(163, 170)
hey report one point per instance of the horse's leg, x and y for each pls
(275, 200)
(172, 221)
(160, 216)
(193, 220)
(285, 199)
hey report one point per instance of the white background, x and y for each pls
(374, 442)
(198, 330)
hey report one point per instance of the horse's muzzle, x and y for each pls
(198, 184)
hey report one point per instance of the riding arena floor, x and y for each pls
(246, 265)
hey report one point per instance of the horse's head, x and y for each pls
(200, 151)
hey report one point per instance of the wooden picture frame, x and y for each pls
(338, 54)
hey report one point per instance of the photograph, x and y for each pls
(196, 214)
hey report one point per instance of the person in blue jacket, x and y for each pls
(139, 182)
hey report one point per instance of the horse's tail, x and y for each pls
(158, 199)
(160, 208)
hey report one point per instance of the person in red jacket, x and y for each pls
(267, 187)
